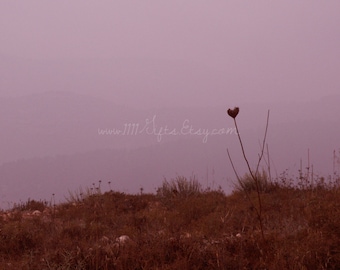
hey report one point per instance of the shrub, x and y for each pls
(179, 187)
(248, 184)
(31, 205)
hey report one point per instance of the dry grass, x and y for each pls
(202, 230)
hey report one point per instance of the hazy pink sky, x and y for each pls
(154, 53)
(282, 49)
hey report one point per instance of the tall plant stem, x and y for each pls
(254, 176)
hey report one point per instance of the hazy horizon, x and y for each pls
(70, 68)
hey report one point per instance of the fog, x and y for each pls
(71, 69)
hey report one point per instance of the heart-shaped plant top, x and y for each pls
(233, 113)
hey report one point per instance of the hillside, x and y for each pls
(186, 228)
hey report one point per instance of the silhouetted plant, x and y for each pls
(254, 175)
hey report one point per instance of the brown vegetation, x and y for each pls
(204, 229)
